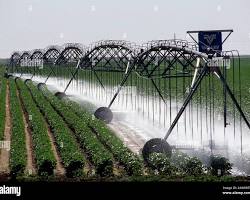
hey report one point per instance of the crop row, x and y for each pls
(18, 154)
(101, 158)
(2, 107)
(70, 153)
(44, 156)
(132, 163)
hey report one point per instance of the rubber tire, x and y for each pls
(40, 85)
(60, 95)
(26, 80)
(104, 114)
(156, 145)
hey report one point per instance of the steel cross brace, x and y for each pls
(121, 85)
(194, 88)
(76, 71)
(73, 75)
(51, 71)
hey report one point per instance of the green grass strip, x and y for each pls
(2, 107)
(18, 154)
(44, 155)
(101, 158)
(71, 155)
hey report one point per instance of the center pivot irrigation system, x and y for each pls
(163, 64)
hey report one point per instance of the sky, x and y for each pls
(35, 24)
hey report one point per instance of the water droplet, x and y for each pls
(93, 8)
(156, 8)
(219, 117)
(219, 8)
(124, 35)
(61, 35)
(30, 8)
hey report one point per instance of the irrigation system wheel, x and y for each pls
(40, 85)
(60, 95)
(26, 80)
(6, 75)
(156, 145)
(104, 113)
(10, 75)
(16, 78)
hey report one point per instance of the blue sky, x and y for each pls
(30, 24)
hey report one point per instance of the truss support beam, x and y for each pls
(194, 88)
(73, 75)
(232, 96)
(187, 100)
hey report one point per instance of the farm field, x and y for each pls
(174, 88)
(150, 106)
(53, 139)
(124, 98)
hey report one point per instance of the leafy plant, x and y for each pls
(44, 156)
(187, 165)
(99, 156)
(2, 107)
(132, 163)
(193, 166)
(161, 164)
(71, 155)
(220, 165)
(18, 154)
